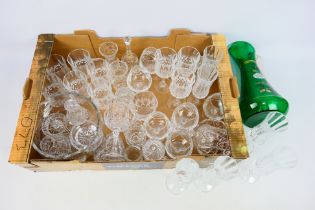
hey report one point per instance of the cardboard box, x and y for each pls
(24, 155)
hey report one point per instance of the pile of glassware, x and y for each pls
(267, 155)
(106, 109)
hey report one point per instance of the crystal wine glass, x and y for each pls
(126, 95)
(135, 135)
(157, 125)
(186, 172)
(180, 87)
(100, 69)
(179, 144)
(185, 116)
(164, 66)
(206, 75)
(130, 58)
(52, 88)
(145, 103)
(174, 184)
(80, 60)
(117, 73)
(148, 60)
(57, 66)
(153, 150)
(211, 138)
(213, 107)
(75, 81)
(118, 119)
(188, 58)
(111, 149)
(109, 51)
(100, 91)
(212, 54)
(138, 79)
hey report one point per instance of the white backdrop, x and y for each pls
(281, 31)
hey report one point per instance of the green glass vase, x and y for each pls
(257, 98)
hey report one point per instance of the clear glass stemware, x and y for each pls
(109, 51)
(130, 58)
(165, 66)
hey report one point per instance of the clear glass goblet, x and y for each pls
(180, 87)
(211, 138)
(145, 103)
(179, 144)
(57, 66)
(138, 79)
(153, 150)
(117, 118)
(135, 135)
(109, 51)
(75, 81)
(126, 95)
(80, 60)
(111, 149)
(185, 116)
(182, 176)
(212, 54)
(157, 125)
(188, 58)
(118, 71)
(201, 88)
(148, 60)
(165, 66)
(100, 69)
(207, 72)
(213, 107)
(130, 58)
(100, 91)
(174, 184)
(187, 169)
(52, 89)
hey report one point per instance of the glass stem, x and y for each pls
(128, 47)
(115, 140)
